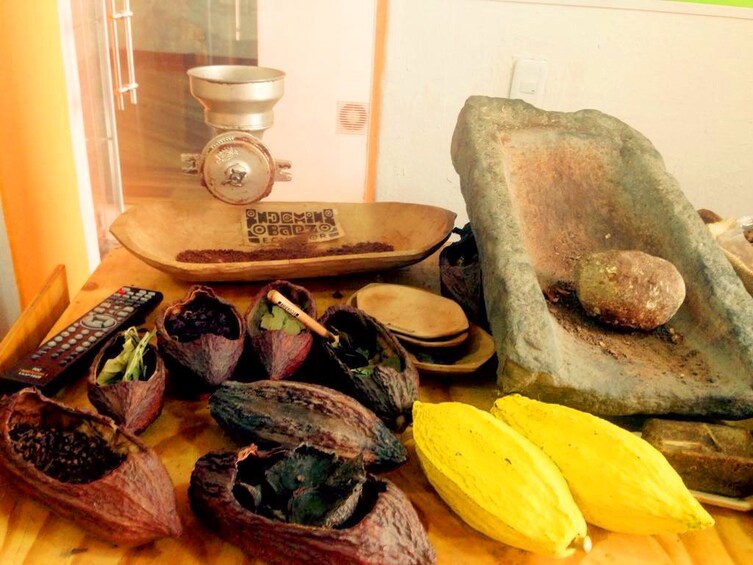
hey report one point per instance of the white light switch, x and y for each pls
(529, 80)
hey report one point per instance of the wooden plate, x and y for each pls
(413, 312)
(157, 232)
(478, 349)
(453, 341)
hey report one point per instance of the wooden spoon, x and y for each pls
(338, 340)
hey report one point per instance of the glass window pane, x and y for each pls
(168, 39)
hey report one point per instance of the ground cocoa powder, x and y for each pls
(663, 349)
(294, 250)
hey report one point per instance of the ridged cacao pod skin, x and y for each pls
(203, 363)
(390, 532)
(635, 491)
(278, 353)
(287, 413)
(131, 505)
(134, 405)
(389, 392)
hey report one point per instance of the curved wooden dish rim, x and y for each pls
(485, 341)
(121, 232)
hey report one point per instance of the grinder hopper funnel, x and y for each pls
(237, 97)
(235, 165)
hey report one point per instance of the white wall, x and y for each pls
(680, 76)
(326, 50)
(10, 307)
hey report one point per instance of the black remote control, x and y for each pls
(47, 367)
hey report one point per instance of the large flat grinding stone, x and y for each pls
(542, 189)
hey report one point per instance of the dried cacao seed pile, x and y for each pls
(65, 455)
(200, 337)
(203, 317)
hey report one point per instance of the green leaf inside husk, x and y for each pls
(129, 364)
(278, 319)
(306, 486)
(379, 359)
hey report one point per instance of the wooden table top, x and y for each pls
(30, 534)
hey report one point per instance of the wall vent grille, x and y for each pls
(352, 117)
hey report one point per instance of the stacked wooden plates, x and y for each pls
(434, 329)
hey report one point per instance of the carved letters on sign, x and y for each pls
(273, 226)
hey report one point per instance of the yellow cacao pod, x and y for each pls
(619, 481)
(496, 480)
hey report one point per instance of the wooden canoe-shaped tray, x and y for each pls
(158, 232)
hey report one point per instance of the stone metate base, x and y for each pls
(543, 189)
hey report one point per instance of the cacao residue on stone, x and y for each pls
(287, 250)
(201, 338)
(387, 384)
(277, 353)
(86, 469)
(563, 299)
(663, 343)
(383, 526)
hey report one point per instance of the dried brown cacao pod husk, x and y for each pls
(131, 504)
(390, 387)
(278, 353)
(385, 528)
(201, 339)
(134, 405)
(287, 413)
(460, 276)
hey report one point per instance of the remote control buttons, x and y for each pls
(97, 321)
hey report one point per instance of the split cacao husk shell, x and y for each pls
(201, 338)
(389, 390)
(460, 276)
(287, 413)
(134, 405)
(130, 505)
(278, 353)
(388, 531)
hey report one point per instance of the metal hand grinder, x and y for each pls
(235, 165)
